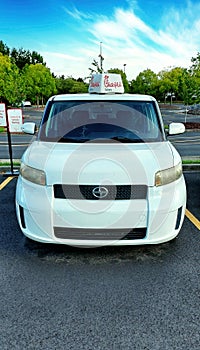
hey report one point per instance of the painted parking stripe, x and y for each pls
(5, 182)
(193, 219)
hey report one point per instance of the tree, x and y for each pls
(79, 87)
(4, 48)
(195, 68)
(5, 67)
(15, 88)
(39, 82)
(195, 78)
(70, 85)
(145, 83)
(169, 82)
(172, 83)
(36, 58)
(22, 57)
(186, 88)
(11, 82)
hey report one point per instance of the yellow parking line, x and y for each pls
(193, 219)
(5, 182)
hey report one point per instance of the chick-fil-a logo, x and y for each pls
(94, 83)
(109, 84)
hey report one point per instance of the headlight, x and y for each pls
(164, 177)
(34, 175)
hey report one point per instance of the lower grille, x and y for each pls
(99, 234)
(22, 218)
(178, 220)
(136, 233)
(112, 192)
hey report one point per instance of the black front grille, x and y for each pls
(136, 233)
(99, 234)
(118, 192)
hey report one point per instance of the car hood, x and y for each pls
(100, 163)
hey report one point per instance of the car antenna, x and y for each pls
(101, 57)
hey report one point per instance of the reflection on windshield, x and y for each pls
(102, 132)
(126, 121)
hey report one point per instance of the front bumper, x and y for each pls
(44, 218)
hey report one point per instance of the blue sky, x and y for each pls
(139, 33)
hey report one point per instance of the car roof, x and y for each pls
(102, 97)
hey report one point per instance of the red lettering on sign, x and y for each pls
(108, 84)
(94, 83)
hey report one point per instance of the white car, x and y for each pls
(26, 104)
(101, 171)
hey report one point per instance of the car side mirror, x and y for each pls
(29, 128)
(176, 128)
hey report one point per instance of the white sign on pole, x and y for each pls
(2, 114)
(15, 120)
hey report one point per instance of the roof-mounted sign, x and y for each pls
(106, 83)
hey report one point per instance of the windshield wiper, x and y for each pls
(126, 139)
(73, 139)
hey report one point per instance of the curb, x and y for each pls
(191, 167)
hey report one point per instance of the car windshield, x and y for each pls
(101, 121)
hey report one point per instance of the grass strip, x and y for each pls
(191, 161)
(2, 129)
(8, 163)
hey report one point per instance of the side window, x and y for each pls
(151, 121)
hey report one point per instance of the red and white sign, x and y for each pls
(2, 114)
(15, 119)
(106, 83)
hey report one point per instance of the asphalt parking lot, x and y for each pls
(137, 298)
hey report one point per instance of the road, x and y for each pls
(187, 144)
(128, 298)
(170, 115)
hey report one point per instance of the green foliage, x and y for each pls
(95, 67)
(5, 65)
(11, 88)
(23, 57)
(169, 81)
(70, 85)
(4, 48)
(39, 82)
(24, 75)
(174, 83)
(195, 68)
(145, 83)
(14, 86)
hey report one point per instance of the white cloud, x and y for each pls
(173, 45)
(127, 39)
(76, 14)
(64, 64)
